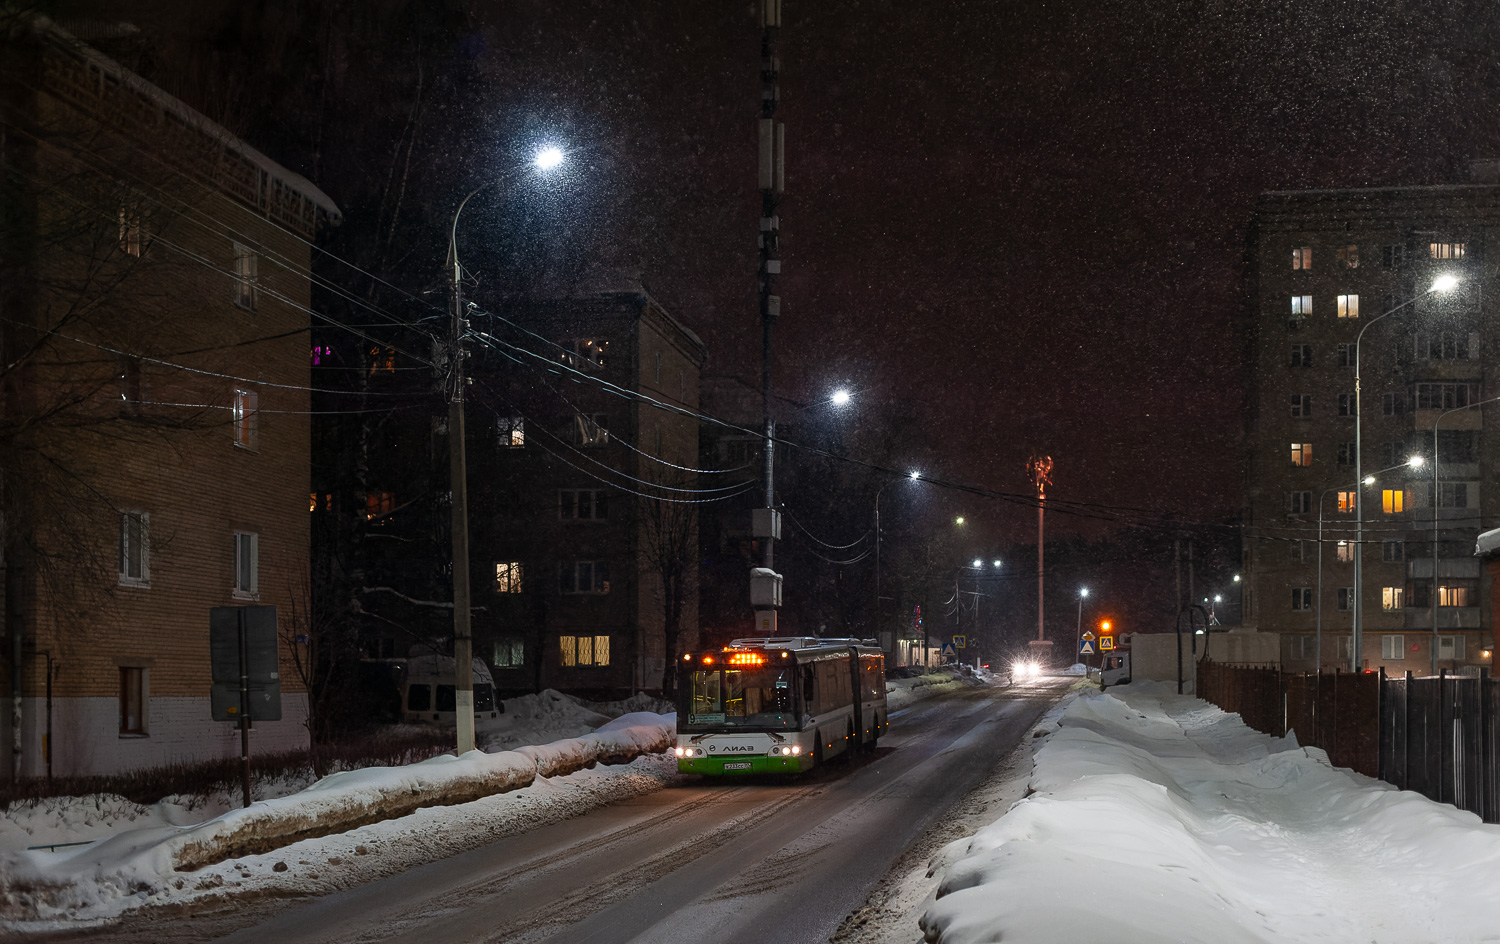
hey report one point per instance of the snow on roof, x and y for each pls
(1487, 544)
(185, 113)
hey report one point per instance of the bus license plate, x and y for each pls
(742, 765)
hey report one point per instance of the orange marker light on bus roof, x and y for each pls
(708, 660)
(747, 658)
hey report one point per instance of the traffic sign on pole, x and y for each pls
(1086, 648)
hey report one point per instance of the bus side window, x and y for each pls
(810, 687)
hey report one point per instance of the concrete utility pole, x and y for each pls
(458, 478)
(765, 583)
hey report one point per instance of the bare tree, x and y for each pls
(669, 561)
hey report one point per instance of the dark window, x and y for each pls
(1302, 355)
(1302, 598)
(446, 701)
(418, 697)
(132, 701)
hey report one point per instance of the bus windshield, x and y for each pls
(759, 698)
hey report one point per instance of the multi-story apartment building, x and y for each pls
(154, 440)
(1327, 265)
(582, 450)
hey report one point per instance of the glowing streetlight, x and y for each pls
(840, 397)
(548, 157)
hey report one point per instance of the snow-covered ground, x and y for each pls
(1157, 817)
(129, 853)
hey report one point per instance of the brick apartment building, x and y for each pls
(154, 436)
(1325, 265)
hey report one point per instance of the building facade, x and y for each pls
(1327, 265)
(154, 438)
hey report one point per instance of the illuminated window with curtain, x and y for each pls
(1348, 306)
(1346, 502)
(1302, 258)
(246, 433)
(1348, 256)
(1302, 454)
(1392, 598)
(1392, 501)
(1345, 552)
(507, 577)
(246, 276)
(579, 651)
(1446, 250)
(1301, 304)
(1457, 596)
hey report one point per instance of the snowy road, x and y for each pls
(722, 862)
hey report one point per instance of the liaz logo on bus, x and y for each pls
(732, 748)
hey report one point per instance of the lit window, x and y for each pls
(1302, 257)
(1348, 256)
(1348, 306)
(132, 230)
(1302, 355)
(135, 564)
(1301, 404)
(510, 431)
(575, 577)
(583, 650)
(246, 434)
(582, 504)
(1393, 501)
(1345, 552)
(1346, 598)
(246, 566)
(379, 504)
(1302, 454)
(382, 360)
(1392, 598)
(134, 700)
(1445, 250)
(1457, 596)
(1393, 647)
(508, 577)
(1302, 598)
(246, 274)
(1301, 304)
(1346, 502)
(579, 351)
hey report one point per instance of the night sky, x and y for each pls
(1025, 222)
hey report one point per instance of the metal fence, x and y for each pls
(1438, 736)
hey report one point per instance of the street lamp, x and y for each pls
(1413, 463)
(546, 158)
(1443, 283)
(1083, 593)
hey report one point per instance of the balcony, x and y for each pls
(1420, 568)
(1449, 617)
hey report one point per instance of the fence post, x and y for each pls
(1442, 749)
(1406, 734)
(1380, 764)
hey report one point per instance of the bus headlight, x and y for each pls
(796, 749)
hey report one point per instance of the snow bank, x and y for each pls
(1158, 817)
(36, 882)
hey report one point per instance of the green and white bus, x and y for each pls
(778, 704)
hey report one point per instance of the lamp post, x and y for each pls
(463, 638)
(1412, 463)
(1083, 593)
(1443, 283)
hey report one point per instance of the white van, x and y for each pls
(427, 689)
